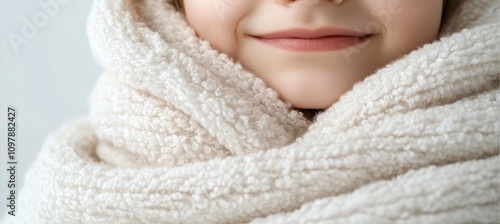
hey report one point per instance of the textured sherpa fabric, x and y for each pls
(179, 133)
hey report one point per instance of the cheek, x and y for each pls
(412, 24)
(216, 21)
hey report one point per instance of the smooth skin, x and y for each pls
(314, 79)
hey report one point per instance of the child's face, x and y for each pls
(326, 46)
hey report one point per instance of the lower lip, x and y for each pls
(319, 44)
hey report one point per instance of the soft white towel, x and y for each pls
(179, 133)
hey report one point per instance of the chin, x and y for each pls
(311, 103)
(316, 97)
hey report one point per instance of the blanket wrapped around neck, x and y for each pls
(179, 133)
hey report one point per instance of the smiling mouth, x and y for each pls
(325, 39)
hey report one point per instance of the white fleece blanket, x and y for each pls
(179, 133)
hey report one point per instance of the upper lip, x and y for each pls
(303, 33)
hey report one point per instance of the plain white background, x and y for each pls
(48, 78)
